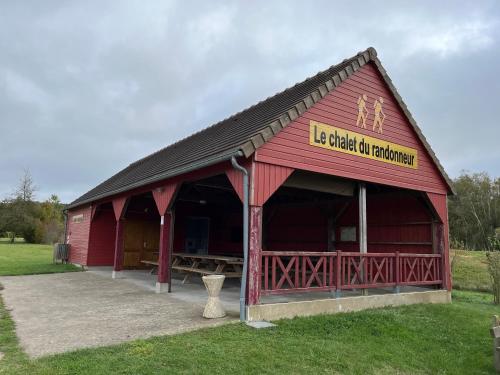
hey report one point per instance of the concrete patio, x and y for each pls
(63, 312)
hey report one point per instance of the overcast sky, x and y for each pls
(88, 87)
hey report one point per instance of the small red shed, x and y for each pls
(327, 186)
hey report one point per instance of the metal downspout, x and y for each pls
(245, 238)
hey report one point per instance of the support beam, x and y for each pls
(164, 196)
(255, 255)
(438, 245)
(119, 208)
(439, 204)
(118, 259)
(363, 247)
(162, 284)
(266, 179)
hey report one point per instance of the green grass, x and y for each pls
(470, 271)
(28, 259)
(418, 339)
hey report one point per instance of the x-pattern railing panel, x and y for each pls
(295, 271)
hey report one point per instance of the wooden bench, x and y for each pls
(204, 264)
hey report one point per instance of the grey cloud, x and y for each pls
(88, 87)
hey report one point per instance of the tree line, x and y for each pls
(474, 212)
(22, 216)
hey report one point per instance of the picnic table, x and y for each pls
(153, 264)
(204, 264)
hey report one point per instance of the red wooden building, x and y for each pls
(340, 189)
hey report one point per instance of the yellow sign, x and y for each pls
(348, 142)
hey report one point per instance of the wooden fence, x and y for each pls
(297, 271)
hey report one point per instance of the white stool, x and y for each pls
(214, 308)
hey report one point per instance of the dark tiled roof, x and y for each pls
(245, 131)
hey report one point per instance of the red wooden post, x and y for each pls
(304, 269)
(266, 273)
(297, 267)
(338, 274)
(118, 259)
(119, 208)
(440, 244)
(273, 272)
(163, 197)
(254, 255)
(164, 256)
(396, 288)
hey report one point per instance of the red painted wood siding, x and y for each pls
(102, 239)
(295, 229)
(118, 206)
(78, 235)
(394, 220)
(222, 224)
(163, 196)
(236, 179)
(266, 179)
(339, 108)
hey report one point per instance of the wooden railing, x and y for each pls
(298, 271)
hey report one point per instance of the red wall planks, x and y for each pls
(236, 179)
(293, 228)
(224, 224)
(439, 203)
(78, 234)
(291, 147)
(396, 222)
(266, 179)
(102, 239)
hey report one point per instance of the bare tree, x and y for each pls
(26, 188)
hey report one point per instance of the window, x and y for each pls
(77, 218)
(348, 234)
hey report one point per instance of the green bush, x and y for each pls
(493, 262)
(494, 243)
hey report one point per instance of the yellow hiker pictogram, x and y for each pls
(362, 111)
(379, 118)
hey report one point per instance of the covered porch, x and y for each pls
(311, 236)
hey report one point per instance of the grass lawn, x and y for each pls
(27, 259)
(470, 271)
(418, 339)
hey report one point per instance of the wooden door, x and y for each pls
(141, 242)
(133, 243)
(151, 241)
